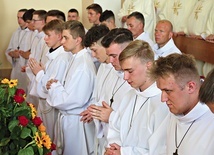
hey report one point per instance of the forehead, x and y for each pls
(50, 32)
(91, 11)
(66, 33)
(114, 49)
(162, 25)
(20, 14)
(166, 82)
(72, 13)
(95, 45)
(130, 63)
(35, 16)
(132, 19)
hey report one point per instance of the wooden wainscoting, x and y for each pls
(200, 49)
(5, 73)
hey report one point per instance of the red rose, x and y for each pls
(53, 146)
(49, 153)
(19, 99)
(37, 121)
(23, 120)
(20, 92)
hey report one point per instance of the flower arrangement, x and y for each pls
(22, 132)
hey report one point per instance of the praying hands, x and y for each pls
(35, 66)
(101, 113)
(49, 83)
(114, 149)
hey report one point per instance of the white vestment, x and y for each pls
(177, 12)
(159, 4)
(73, 137)
(115, 86)
(199, 139)
(145, 37)
(197, 23)
(146, 7)
(55, 68)
(38, 51)
(139, 125)
(19, 41)
(167, 49)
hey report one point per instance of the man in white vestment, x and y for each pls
(72, 96)
(24, 55)
(139, 125)
(17, 44)
(190, 128)
(55, 67)
(164, 42)
(146, 7)
(206, 92)
(37, 51)
(93, 40)
(135, 23)
(113, 86)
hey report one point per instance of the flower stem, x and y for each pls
(29, 144)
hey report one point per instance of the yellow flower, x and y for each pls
(38, 140)
(42, 128)
(46, 141)
(5, 81)
(33, 110)
(13, 83)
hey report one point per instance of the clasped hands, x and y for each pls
(114, 149)
(35, 66)
(101, 113)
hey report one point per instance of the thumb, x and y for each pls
(105, 105)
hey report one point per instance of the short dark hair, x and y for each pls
(54, 25)
(94, 34)
(76, 29)
(22, 10)
(41, 14)
(117, 35)
(139, 16)
(96, 7)
(28, 15)
(106, 15)
(73, 10)
(56, 13)
(206, 92)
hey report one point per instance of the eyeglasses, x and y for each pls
(35, 20)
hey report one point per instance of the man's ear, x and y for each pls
(149, 64)
(192, 86)
(170, 35)
(78, 40)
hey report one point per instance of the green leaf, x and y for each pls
(12, 91)
(27, 151)
(4, 141)
(13, 124)
(25, 132)
(40, 151)
(34, 129)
